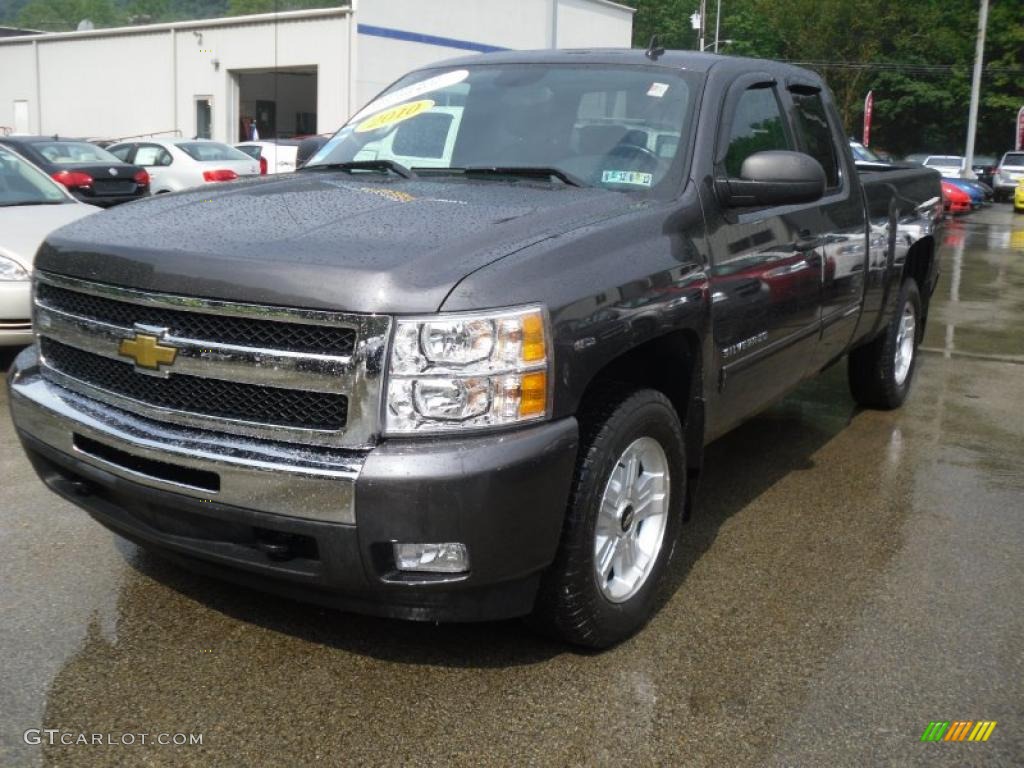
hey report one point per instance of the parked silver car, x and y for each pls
(176, 164)
(31, 206)
(1009, 173)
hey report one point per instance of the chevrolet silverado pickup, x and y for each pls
(463, 365)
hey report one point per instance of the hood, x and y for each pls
(323, 239)
(23, 227)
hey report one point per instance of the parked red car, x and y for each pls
(954, 199)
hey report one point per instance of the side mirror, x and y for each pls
(776, 177)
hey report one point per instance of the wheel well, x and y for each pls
(670, 364)
(919, 266)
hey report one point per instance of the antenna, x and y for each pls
(654, 50)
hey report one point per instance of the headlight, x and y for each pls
(11, 270)
(467, 371)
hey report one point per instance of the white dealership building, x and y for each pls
(295, 73)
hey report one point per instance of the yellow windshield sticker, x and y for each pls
(402, 95)
(394, 115)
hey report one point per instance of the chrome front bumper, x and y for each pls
(15, 311)
(294, 481)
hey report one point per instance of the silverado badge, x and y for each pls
(147, 351)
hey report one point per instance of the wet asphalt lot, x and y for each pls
(859, 576)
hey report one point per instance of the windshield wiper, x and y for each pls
(523, 171)
(368, 165)
(33, 202)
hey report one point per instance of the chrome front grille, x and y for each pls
(290, 375)
(227, 329)
(193, 394)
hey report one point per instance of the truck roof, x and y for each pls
(688, 60)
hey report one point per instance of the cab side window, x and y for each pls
(812, 122)
(757, 126)
(122, 152)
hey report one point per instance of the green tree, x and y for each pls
(61, 15)
(916, 57)
(147, 11)
(668, 19)
(243, 7)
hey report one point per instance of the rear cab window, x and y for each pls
(815, 133)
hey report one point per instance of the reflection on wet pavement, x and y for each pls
(979, 306)
(848, 577)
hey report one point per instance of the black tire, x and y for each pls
(872, 368)
(570, 603)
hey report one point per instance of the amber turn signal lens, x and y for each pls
(534, 346)
(533, 400)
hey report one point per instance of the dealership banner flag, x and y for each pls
(869, 103)
(1019, 144)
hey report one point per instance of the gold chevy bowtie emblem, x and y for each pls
(147, 351)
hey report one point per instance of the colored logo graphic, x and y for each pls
(958, 730)
(147, 351)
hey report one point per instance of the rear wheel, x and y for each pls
(880, 373)
(622, 520)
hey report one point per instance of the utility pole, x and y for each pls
(703, 23)
(718, 20)
(972, 120)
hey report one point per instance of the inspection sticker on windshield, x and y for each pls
(394, 115)
(657, 90)
(627, 177)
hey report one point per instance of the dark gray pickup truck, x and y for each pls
(464, 364)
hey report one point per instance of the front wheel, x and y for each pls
(622, 521)
(880, 373)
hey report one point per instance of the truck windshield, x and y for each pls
(618, 127)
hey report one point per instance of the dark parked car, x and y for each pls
(89, 172)
(464, 364)
(984, 167)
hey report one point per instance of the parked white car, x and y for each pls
(274, 156)
(1008, 175)
(949, 166)
(176, 164)
(31, 206)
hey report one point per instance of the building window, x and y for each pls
(21, 116)
(204, 117)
